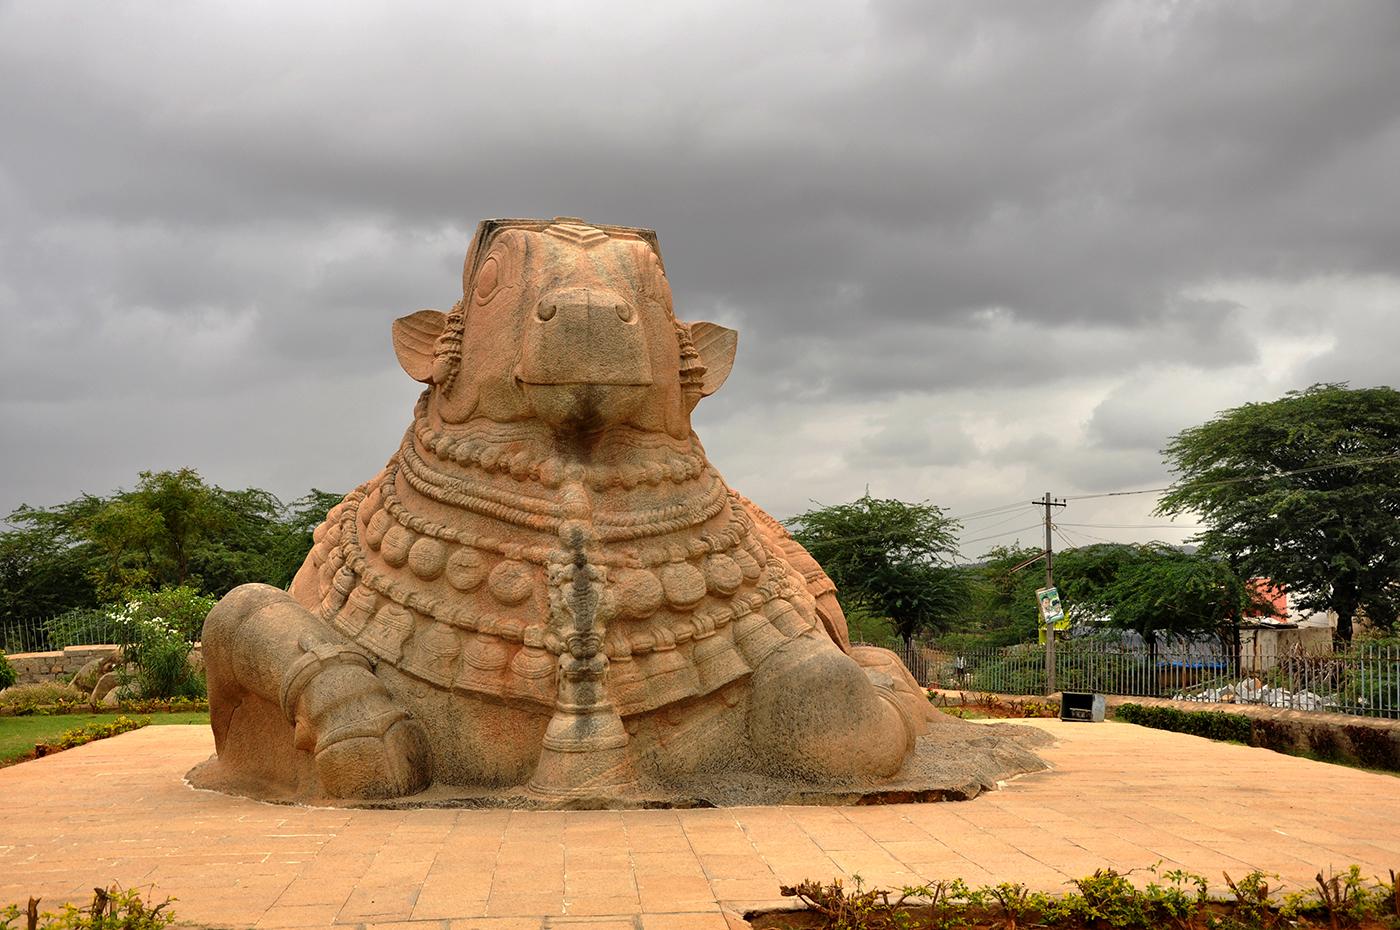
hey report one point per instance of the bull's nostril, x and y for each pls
(624, 313)
(546, 312)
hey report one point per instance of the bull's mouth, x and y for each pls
(579, 412)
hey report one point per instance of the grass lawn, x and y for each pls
(19, 734)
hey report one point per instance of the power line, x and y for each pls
(1244, 480)
(989, 512)
(1135, 526)
(1015, 515)
(999, 535)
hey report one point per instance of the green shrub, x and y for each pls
(24, 698)
(1274, 734)
(1323, 741)
(7, 672)
(96, 731)
(183, 609)
(111, 909)
(175, 705)
(162, 659)
(1106, 900)
(158, 634)
(1374, 748)
(1212, 724)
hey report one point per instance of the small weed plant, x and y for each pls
(175, 705)
(1106, 900)
(971, 705)
(41, 697)
(111, 909)
(942, 906)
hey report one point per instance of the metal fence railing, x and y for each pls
(1361, 679)
(75, 628)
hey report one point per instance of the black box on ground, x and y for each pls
(1085, 708)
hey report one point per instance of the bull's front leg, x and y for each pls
(817, 715)
(293, 704)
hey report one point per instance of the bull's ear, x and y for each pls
(716, 345)
(414, 338)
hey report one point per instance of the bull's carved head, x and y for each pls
(567, 323)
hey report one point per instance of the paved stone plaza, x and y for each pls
(1120, 796)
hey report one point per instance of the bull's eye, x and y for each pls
(625, 313)
(545, 312)
(487, 278)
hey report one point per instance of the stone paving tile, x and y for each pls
(525, 905)
(665, 865)
(235, 863)
(483, 923)
(709, 920)
(674, 892)
(793, 871)
(587, 922)
(431, 906)
(744, 889)
(600, 883)
(299, 915)
(600, 905)
(866, 863)
(734, 866)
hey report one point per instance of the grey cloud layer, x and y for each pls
(891, 200)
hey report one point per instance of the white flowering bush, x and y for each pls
(158, 631)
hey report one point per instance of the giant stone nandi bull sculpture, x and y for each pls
(549, 594)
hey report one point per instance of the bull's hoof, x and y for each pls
(357, 762)
(365, 745)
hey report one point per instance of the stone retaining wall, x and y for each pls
(1373, 742)
(1370, 741)
(34, 667)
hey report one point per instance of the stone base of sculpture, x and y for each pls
(958, 761)
(550, 597)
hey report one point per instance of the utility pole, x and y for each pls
(1047, 503)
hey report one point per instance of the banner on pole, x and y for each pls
(1051, 611)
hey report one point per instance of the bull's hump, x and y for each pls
(576, 232)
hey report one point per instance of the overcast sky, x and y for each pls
(974, 251)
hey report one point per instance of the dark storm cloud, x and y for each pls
(892, 201)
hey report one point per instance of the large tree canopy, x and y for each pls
(172, 529)
(1304, 490)
(888, 557)
(1161, 591)
(1158, 590)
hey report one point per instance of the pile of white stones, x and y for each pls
(1253, 691)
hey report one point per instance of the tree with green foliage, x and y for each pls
(1002, 608)
(43, 570)
(188, 513)
(889, 557)
(299, 520)
(158, 630)
(1158, 590)
(1305, 491)
(173, 529)
(1004, 599)
(1163, 592)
